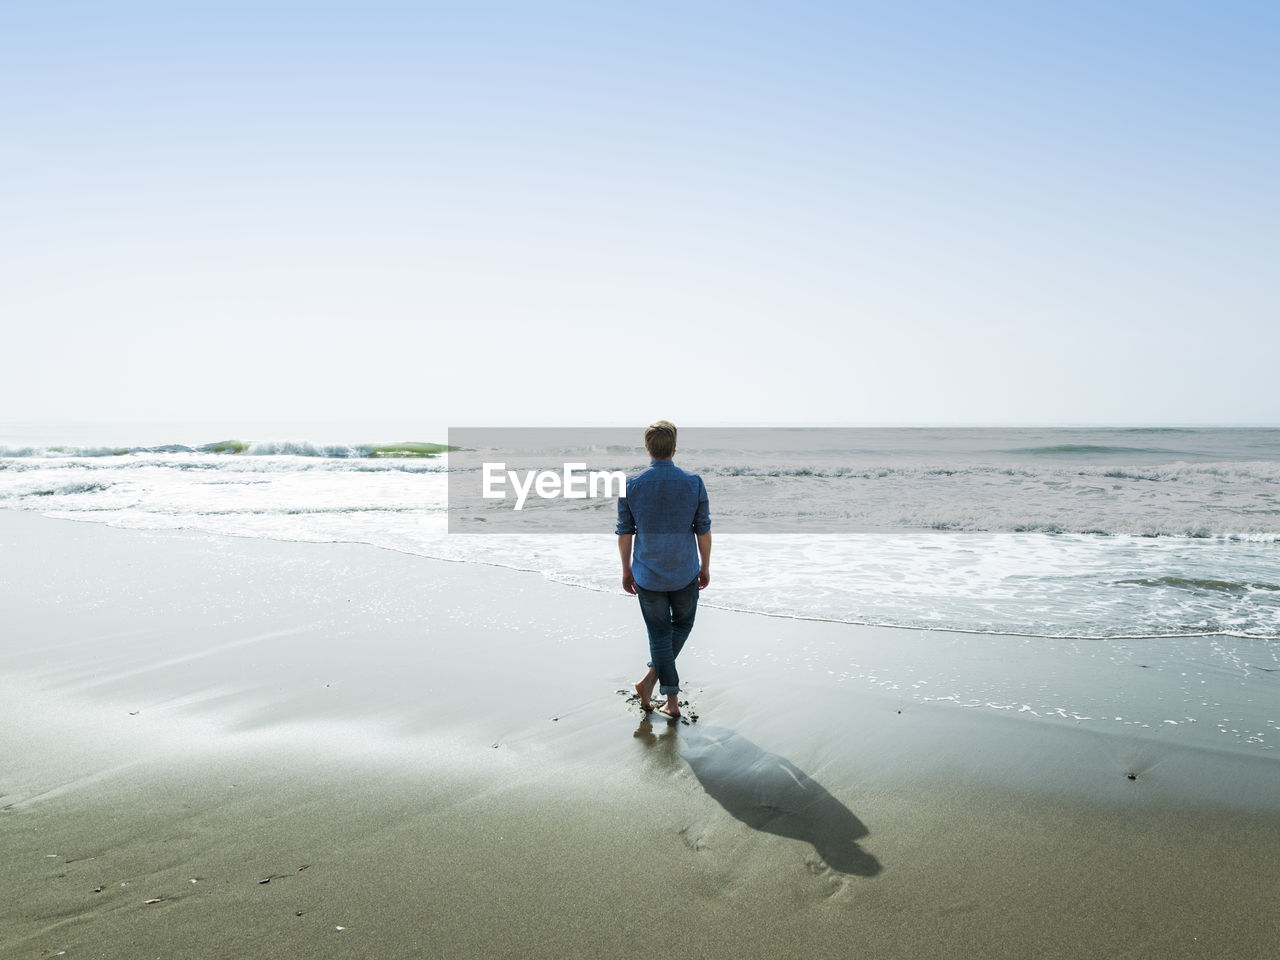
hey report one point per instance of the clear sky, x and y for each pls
(608, 212)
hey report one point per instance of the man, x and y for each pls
(666, 518)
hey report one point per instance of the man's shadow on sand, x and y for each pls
(770, 793)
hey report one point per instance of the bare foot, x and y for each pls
(644, 688)
(644, 692)
(670, 709)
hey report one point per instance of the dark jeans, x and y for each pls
(668, 615)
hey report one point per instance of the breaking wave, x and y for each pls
(264, 448)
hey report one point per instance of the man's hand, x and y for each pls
(624, 551)
(704, 554)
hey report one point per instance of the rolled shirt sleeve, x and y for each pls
(626, 522)
(702, 519)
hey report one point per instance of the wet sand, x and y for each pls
(431, 759)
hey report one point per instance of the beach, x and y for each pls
(353, 351)
(224, 747)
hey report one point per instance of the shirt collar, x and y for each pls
(662, 463)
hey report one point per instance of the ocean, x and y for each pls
(1159, 544)
(1035, 532)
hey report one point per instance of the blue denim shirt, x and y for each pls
(664, 507)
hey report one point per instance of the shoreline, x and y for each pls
(448, 750)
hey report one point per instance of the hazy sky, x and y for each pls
(609, 212)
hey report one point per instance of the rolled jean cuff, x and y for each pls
(667, 691)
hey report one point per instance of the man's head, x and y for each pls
(660, 440)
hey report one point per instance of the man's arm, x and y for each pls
(626, 532)
(704, 552)
(624, 549)
(702, 530)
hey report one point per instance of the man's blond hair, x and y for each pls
(660, 439)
